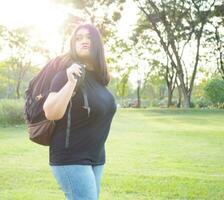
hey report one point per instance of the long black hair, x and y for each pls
(97, 56)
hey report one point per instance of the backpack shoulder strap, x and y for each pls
(86, 103)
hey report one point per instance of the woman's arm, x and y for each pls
(57, 102)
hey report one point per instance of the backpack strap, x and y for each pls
(86, 103)
(86, 106)
(68, 125)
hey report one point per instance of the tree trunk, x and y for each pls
(187, 101)
(17, 89)
(170, 95)
(139, 98)
(180, 97)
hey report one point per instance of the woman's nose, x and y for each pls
(85, 40)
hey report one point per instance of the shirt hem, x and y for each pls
(77, 163)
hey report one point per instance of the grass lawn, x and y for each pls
(156, 154)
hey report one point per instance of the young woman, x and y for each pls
(78, 167)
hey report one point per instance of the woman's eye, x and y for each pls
(78, 38)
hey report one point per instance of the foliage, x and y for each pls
(11, 111)
(214, 90)
(178, 24)
(20, 49)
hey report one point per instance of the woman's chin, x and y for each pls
(84, 58)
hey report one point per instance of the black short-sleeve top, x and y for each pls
(87, 134)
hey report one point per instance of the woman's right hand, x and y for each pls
(73, 69)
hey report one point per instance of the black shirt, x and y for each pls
(87, 134)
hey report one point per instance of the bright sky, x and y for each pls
(25, 12)
(46, 17)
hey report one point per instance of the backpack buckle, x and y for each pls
(38, 97)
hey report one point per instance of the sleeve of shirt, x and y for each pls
(59, 80)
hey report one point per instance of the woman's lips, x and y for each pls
(85, 47)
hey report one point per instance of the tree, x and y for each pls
(215, 36)
(179, 24)
(214, 90)
(101, 13)
(158, 61)
(122, 86)
(21, 49)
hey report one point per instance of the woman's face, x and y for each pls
(82, 43)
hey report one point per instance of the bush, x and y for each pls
(203, 102)
(214, 90)
(11, 111)
(220, 105)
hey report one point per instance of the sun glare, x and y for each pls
(44, 16)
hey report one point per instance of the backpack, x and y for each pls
(41, 129)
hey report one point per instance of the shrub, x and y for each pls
(11, 111)
(203, 102)
(214, 90)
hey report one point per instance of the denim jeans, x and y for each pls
(79, 182)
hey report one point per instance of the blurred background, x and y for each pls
(166, 59)
(160, 53)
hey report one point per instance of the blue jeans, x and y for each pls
(79, 182)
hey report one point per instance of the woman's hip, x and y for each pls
(79, 181)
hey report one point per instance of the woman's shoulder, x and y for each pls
(60, 77)
(61, 74)
(58, 81)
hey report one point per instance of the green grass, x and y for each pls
(156, 154)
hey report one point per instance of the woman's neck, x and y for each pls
(89, 67)
(88, 64)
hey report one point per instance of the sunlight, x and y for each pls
(43, 13)
(44, 16)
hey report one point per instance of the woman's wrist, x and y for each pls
(71, 83)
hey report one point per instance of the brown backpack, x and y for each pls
(41, 129)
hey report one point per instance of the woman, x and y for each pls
(78, 168)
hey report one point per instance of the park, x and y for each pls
(166, 65)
